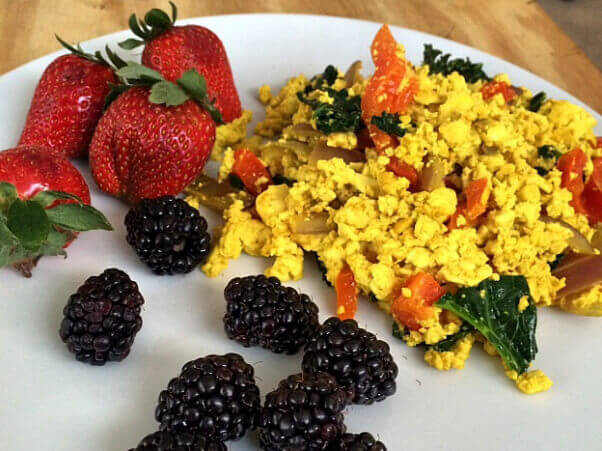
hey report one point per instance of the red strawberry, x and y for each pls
(143, 148)
(39, 213)
(172, 50)
(68, 103)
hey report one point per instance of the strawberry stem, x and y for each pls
(156, 22)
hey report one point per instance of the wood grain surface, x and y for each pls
(518, 31)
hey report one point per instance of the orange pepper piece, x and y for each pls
(498, 87)
(346, 289)
(418, 306)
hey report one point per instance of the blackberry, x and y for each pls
(360, 363)
(305, 413)
(169, 441)
(360, 442)
(215, 396)
(102, 318)
(168, 235)
(260, 311)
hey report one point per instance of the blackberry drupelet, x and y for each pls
(102, 318)
(168, 235)
(183, 441)
(260, 311)
(360, 363)
(215, 396)
(360, 442)
(305, 413)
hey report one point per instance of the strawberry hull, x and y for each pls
(181, 48)
(144, 150)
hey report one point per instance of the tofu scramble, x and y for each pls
(458, 202)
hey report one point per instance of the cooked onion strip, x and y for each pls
(313, 225)
(581, 272)
(215, 195)
(353, 74)
(432, 175)
(578, 242)
(323, 152)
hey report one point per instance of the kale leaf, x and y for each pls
(326, 78)
(344, 114)
(451, 340)
(537, 101)
(492, 309)
(321, 268)
(440, 63)
(235, 182)
(279, 179)
(389, 123)
(397, 332)
(556, 262)
(548, 152)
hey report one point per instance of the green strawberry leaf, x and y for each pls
(78, 217)
(194, 84)
(167, 93)
(8, 193)
(139, 73)
(115, 91)
(54, 243)
(47, 198)
(27, 220)
(157, 18)
(130, 44)
(7, 238)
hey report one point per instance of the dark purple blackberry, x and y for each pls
(168, 235)
(262, 312)
(360, 363)
(360, 442)
(183, 441)
(102, 318)
(305, 413)
(215, 396)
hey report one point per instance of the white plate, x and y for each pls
(49, 401)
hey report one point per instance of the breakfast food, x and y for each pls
(172, 50)
(102, 318)
(305, 412)
(68, 103)
(215, 396)
(170, 441)
(155, 137)
(360, 442)
(414, 185)
(168, 235)
(262, 312)
(43, 206)
(359, 362)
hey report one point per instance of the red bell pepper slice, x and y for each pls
(250, 170)
(498, 87)
(571, 164)
(346, 289)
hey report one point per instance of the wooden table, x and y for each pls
(518, 31)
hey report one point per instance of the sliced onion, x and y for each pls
(305, 131)
(581, 272)
(215, 195)
(313, 225)
(432, 175)
(597, 238)
(578, 242)
(323, 152)
(353, 74)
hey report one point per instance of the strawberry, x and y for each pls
(172, 50)
(43, 205)
(155, 138)
(68, 102)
